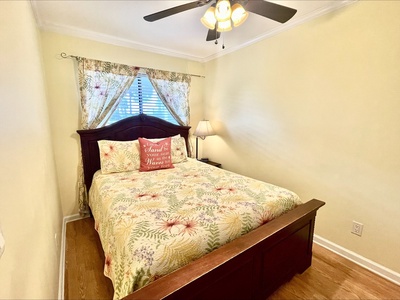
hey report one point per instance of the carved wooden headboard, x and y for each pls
(125, 130)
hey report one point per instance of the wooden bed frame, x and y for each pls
(250, 267)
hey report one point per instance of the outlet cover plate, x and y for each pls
(357, 228)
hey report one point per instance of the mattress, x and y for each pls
(152, 223)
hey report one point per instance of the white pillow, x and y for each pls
(178, 150)
(117, 156)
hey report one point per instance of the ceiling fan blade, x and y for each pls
(271, 10)
(175, 10)
(212, 35)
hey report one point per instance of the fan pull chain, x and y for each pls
(223, 42)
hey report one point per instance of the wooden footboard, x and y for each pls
(251, 267)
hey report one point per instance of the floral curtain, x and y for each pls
(101, 85)
(173, 89)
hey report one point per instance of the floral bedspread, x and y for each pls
(152, 223)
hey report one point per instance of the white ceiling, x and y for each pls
(181, 35)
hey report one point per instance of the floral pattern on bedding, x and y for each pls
(153, 223)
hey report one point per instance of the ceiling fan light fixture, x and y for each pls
(209, 20)
(223, 10)
(239, 14)
(224, 26)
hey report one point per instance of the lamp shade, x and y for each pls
(239, 15)
(204, 129)
(221, 15)
(224, 26)
(223, 10)
(209, 19)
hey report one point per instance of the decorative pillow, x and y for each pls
(117, 156)
(178, 150)
(155, 155)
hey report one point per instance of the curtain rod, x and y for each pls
(65, 55)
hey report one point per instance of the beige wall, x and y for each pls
(64, 98)
(316, 109)
(30, 211)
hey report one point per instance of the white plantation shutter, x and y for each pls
(141, 98)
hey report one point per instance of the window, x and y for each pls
(141, 98)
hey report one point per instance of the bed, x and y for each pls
(246, 263)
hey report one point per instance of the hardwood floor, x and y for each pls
(334, 277)
(329, 277)
(84, 261)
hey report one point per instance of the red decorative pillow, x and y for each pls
(155, 155)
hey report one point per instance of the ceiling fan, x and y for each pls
(266, 9)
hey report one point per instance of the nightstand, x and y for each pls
(213, 163)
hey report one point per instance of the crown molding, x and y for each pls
(107, 39)
(103, 38)
(308, 17)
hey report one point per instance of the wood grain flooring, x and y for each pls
(84, 262)
(330, 276)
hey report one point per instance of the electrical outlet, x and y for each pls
(357, 228)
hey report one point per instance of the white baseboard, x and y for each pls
(62, 254)
(359, 260)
